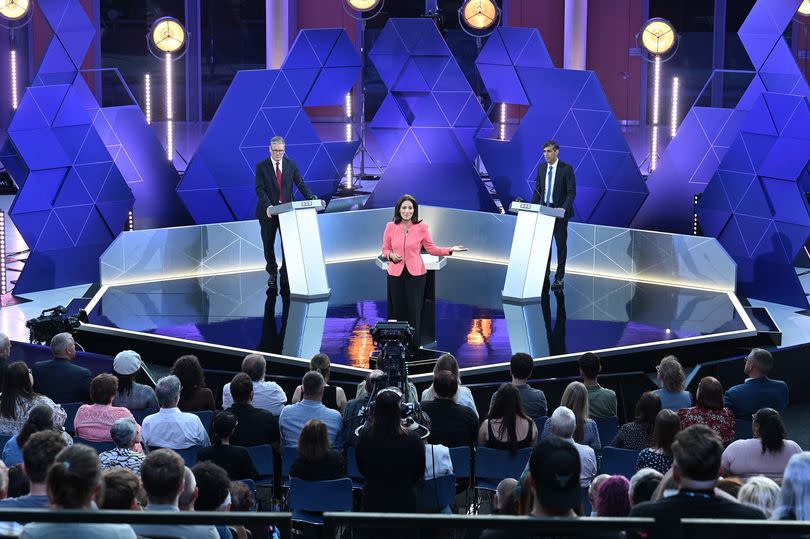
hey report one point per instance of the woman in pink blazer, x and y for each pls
(403, 240)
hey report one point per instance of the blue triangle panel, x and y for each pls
(592, 95)
(610, 137)
(737, 159)
(569, 133)
(534, 53)
(389, 66)
(411, 79)
(54, 236)
(388, 42)
(426, 111)
(736, 185)
(711, 120)
(758, 147)
(280, 120)
(515, 40)
(754, 202)
(115, 214)
(30, 224)
(303, 154)
(753, 230)
(322, 41)
(259, 133)
(49, 98)
(796, 126)
(301, 80)
(96, 231)
(115, 189)
(40, 149)
(54, 10)
(72, 192)
(781, 107)
(242, 202)
(389, 114)
(93, 176)
(73, 219)
(494, 51)
(793, 238)
(301, 131)
(788, 202)
(207, 206)
(281, 95)
(40, 190)
(343, 53)
(331, 86)
(431, 67)
(56, 60)
(758, 47)
(590, 122)
(71, 112)
(28, 115)
(451, 104)
(301, 55)
(77, 43)
(472, 115)
(452, 79)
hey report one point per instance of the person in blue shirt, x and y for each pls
(294, 417)
(758, 391)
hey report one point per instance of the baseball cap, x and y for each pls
(555, 468)
(127, 362)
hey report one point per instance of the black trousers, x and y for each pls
(269, 227)
(406, 296)
(561, 239)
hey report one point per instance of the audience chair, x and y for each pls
(70, 409)
(98, 446)
(262, 457)
(607, 427)
(309, 499)
(251, 484)
(616, 461)
(494, 465)
(140, 415)
(189, 455)
(3, 440)
(206, 416)
(288, 456)
(436, 495)
(743, 429)
(352, 470)
(540, 423)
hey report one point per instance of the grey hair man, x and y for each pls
(563, 423)
(170, 428)
(266, 395)
(59, 378)
(123, 432)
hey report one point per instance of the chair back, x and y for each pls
(206, 416)
(262, 457)
(494, 465)
(617, 461)
(308, 499)
(743, 429)
(288, 456)
(352, 470)
(140, 415)
(70, 409)
(100, 447)
(540, 423)
(437, 494)
(189, 455)
(461, 457)
(607, 427)
(3, 440)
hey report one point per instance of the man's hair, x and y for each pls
(312, 384)
(123, 432)
(563, 422)
(242, 498)
(18, 484)
(167, 391)
(589, 364)
(276, 140)
(103, 388)
(643, 484)
(445, 384)
(186, 500)
(255, 366)
(60, 343)
(39, 452)
(762, 360)
(521, 365)
(212, 486)
(162, 473)
(697, 451)
(121, 488)
(551, 144)
(241, 386)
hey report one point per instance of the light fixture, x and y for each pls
(167, 35)
(804, 8)
(166, 40)
(169, 109)
(502, 134)
(479, 17)
(656, 113)
(363, 6)
(658, 36)
(14, 10)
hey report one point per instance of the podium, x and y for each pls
(432, 265)
(303, 255)
(531, 246)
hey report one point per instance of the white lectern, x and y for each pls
(531, 245)
(303, 255)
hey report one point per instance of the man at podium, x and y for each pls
(556, 187)
(275, 177)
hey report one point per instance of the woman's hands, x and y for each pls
(457, 248)
(393, 257)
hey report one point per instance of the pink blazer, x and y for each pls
(409, 246)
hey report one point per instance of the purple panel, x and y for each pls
(343, 53)
(494, 51)
(411, 79)
(792, 238)
(712, 120)
(431, 67)
(451, 104)
(301, 81)
(332, 81)
(72, 192)
(781, 108)
(420, 36)
(93, 176)
(56, 60)
(40, 149)
(754, 202)
(39, 193)
(515, 40)
(73, 219)
(301, 55)
(787, 159)
(206, 205)
(301, 131)
(30, 224)
(322, 41)
(451, 79)
(758, 147)
(617, 207)
(503, 84)
(535, 53)
(28, 115)
(54, 236)
(569, 133)
(281, 94)
(241, 201)
(48, 99)
(796, 126)
(787, 201)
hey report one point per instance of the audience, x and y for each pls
(613, 498)
(534, 400)
(575, 398)
(121, 490)
(39, 419)
(235, 460)
(593, 489)
(188, 496)
(452, 424)
(123, 433)
(447, 362)
(601, 401)
(5, 352)
(412, 395)
(352, 414)
(93, 421)
(637, 434)
(315, 460)
(194, 396)
(761, 492)
(671, 378)
(794, 497)
(39, 452)
(659, 455)
(59, 378)
(334, 397)
(643, 485)
(507, 426)
(729, 485)
(171, 428)
(254, 426)
(767, 453)
(709, 410)
(18, 399)
(131, 394)
(758, 391)
(266, 395)
(242, 500)
(563, 423)
(294, 417)
(18, 484)
(504, 502)
(213, 488)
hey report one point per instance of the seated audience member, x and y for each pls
(506, 425)
(59, 378)
(659, 455)
(334, 397)
(643, 485)
(171, 428)
(697, 451)
(131, 394)
(593, 490)
(254, 426)
(412, 396)
(39, 419)
(18, 399)
(729, 485)
(162, 476)
(188, 496)
(671, 378)
(601, 401)
(39, 452)
(575, 398)
(761, 492)
(121, 490)
(794, 497)
(316, 461)
(709, 410)
(18, 484)
(612, 497)
(758, 391)
(534, 400)
(638, 433)
(447, 362)
(452, 424)
(266, 395)
(93, 421)
(563, 423)
(294, 417)
(504, 502)
(242, 500)
(352, 414)
(767, 453)
(194, 396)
(213, 487)
(74, 481)
(235, 460)
(5, 352)
(123, 434)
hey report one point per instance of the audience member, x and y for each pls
(412, 396)
(613, 498)
(333, 397)
(294, 417)
(575, 398)
(504, 502)
(93, 421)
(242, 500)
(121, 490)
(194, 396)
(188, 496)
(729, 485)
(59, 378)
(758, 391)
(794, 497)
(593, 490)
(18, 484)
(123, 433)
(18, 399)
(266, 395)
(5, 353)
(315, 460)
(534, 400)
(507, 426)
(643, 485)
(74, 482)
(637, 434)
(39, 419)
(563, 423)
(709, 410)
(235, 460)
(447, 362)
(761, 492)
(601, 401)
(352, 414)
(39, 453)
(131, 394)
(767, 453)
(659, 455)
(171, 428)
(452, 424)
(254, 426)
(671, 378)
(214, 493)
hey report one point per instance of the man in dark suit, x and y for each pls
(758, 391)
(255, 426)
(556, 187)
(275, 177)
(59, 378)
(452, 424)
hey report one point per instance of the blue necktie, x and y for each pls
(548, 187)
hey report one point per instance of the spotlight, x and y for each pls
(167, 34)
(166, 39)
(804, 8)
(14, 10)
(479, 15)
(658, 37)
(363, 6)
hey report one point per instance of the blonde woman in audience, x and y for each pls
(575, 397)
(671, 377)
(761, 492)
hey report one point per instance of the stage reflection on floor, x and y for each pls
(472, 321)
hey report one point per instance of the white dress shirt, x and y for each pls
(173, 429)
(550, 184)
(587, 459)
(266, 395)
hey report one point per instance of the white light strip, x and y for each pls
(348, 105)
(654, 149)
(656, 90)
(147, 89)
(3, 285)
(349, 177)
(130, 221)
(169, 110)
(674, 119)
(503, 122)
(14, 94)
(348, 132)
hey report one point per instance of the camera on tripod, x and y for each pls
(53, 321)
(394, 338)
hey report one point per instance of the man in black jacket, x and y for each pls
(255, 426)
(275, 177)
(451, 424)
(59, 378)
(556, 187)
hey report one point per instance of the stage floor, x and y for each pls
(472, 321)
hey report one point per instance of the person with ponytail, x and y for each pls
(767, 453)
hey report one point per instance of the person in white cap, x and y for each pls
(131, 394)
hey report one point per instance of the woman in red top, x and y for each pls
(403, 240)
(709, 410)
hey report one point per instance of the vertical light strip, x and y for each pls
(674, 119)
(348, 105)
(130, 221)
(503, 122)
(147, 89)
(695, 217)
(14, 94)
(349, 177)
(3, 285)
(656, 113)
(349, 170)
(169, 109)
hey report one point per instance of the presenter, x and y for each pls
(403, 240)
(556, 187)
(275, 177)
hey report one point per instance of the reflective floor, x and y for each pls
(472, 322)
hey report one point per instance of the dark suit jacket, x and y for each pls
(565, 187)
(62, 381)
(267, 186)
(255, 426)
(746, 398)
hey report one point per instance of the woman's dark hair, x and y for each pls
(772, 432)
(73, 476)
(710, 393)
(222, 426)
(415, 218)
(313, 442)
(386, 419)
(40, 418)
(667, 425)
(507, 407)
(18, 484)
(16, 387)
(189, 371)
(124, 383)
(103, 388)
(647, 408)
(320, 362)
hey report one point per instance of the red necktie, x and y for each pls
(278, 180)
